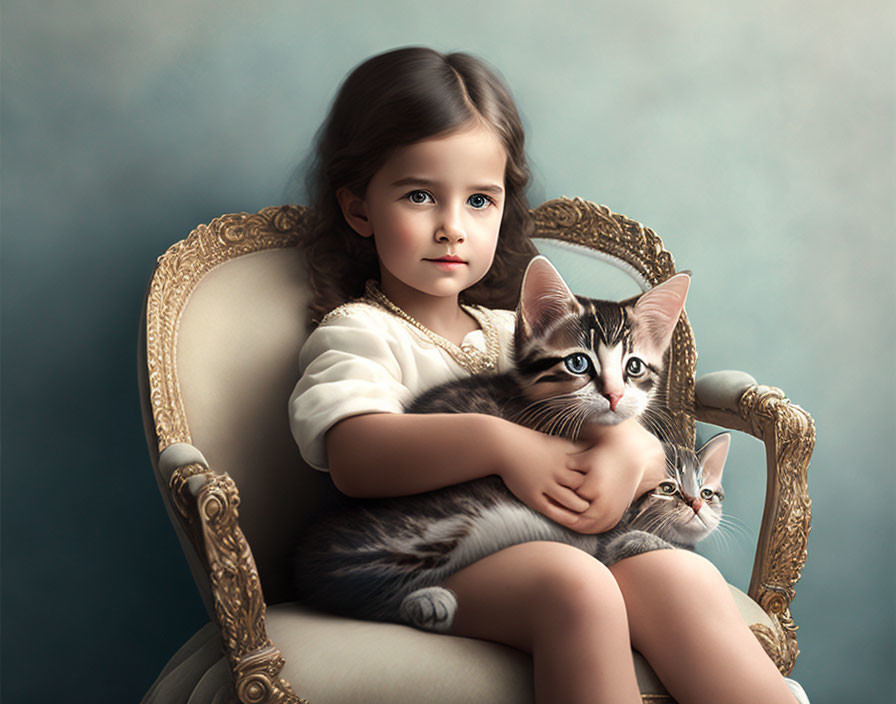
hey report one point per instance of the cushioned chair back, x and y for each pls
(225, 319)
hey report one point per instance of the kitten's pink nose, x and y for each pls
(613, 399)
(697, 504)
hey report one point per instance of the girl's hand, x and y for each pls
(538, 470)
(620, 463)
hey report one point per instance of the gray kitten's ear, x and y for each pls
(712, 458)
(545, 297)
(657, 312)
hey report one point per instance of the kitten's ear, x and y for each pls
(657, 312)
(712, 458)
(544, 297)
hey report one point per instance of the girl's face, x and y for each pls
(434, 210)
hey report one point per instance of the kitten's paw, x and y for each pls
(634, 543)
(430, 608)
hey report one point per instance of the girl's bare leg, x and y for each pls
(683, 619)
(562, 606)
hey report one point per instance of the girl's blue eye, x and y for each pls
(577, 363)
(419, 197)
(478, 201)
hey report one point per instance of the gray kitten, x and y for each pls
(577, 361)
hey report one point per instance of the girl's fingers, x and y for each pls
(557, 513)
(589, 488)
(568, 499)
(572, 479)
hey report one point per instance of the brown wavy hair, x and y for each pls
(392, 100)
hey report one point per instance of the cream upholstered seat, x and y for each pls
(224, 322)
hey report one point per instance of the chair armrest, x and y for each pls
(734, 400)
(208, 503)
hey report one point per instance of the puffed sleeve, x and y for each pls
(348, 368)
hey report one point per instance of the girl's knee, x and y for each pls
(568, 580)
(523, 594)
(677, 570)
(695, 570)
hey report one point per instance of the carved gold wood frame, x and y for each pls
(210, 515)
(788, 432)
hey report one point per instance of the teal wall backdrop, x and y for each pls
(757, 137)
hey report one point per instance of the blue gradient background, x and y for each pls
(756, 137)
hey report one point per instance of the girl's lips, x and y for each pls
(448, 259)
(447, 263)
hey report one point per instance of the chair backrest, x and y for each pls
(224, 322)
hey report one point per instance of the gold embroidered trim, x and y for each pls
(467, 355)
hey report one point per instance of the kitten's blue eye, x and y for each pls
(478, 201)
(667, 488)
(419, 197)
(707, 494)
(635, 367)
(577, 363)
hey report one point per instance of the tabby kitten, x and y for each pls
(577, 362)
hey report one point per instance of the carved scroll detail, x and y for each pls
(239, 603)
(211, 517)
(177, 273)
(597, 227)
(789, 435)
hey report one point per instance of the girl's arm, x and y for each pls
(394, 454)
(585, 486)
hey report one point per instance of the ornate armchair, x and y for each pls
(224, 320)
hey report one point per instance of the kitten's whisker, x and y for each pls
(658, 522)
(580, 422)
(736, 522)
(724, 540)
(736, 530)
(536, 412)
(576, 419)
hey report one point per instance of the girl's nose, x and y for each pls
(450, 231)
(450, 235)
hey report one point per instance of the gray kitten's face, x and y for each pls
(687, 506)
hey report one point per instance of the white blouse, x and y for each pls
(364, 359)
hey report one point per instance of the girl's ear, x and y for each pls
(354, 210)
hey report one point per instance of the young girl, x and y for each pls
(420, 193)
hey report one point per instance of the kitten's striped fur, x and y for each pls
(577, 361)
